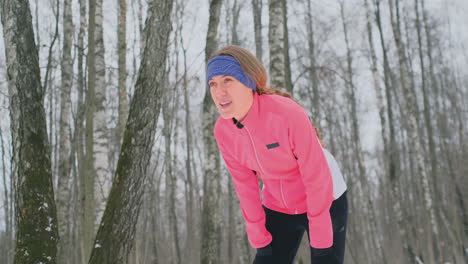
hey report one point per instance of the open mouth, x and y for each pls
(225, 104)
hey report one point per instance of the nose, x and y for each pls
(220, 90)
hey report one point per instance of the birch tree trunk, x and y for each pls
(280, 69)
(427, 113)
(210, 223)
(100, 134)
(117, 229)
(36, 216)
(79, 135)
(411, 103)
(65, 163)
(436, 90)
(381, 106)
(392, 155)
(6, 205)
(361, 181)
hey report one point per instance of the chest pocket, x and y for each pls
(272, 145)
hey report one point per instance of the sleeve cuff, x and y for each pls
(321, 231)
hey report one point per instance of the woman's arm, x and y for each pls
(247, 189)
(315, 175)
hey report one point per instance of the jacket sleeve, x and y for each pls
(316, 177)
(247, 189)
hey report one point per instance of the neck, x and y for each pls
(241, 116)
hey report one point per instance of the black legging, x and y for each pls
(287, 231)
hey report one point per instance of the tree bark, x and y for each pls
(411, 106)
(117, 229)
(122, 53)
(313, 75)
(210, 223)
(168, 109)
(100, 133)
(392, 156)
(257, 16)
(90, 171)
(280, 69)
(65, 163)
(381, 106)
(79, 134)
(189, 185)
(36, 216)
(6, 206)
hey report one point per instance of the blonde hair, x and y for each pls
(252, 67)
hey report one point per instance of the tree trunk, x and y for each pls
(90, 172)
(257, 17)
(79, 134)
(235, 11)
(392, 153)
(101, 133)
(381, 106)
(313, 77)
(427, 114)
(411, 103)
(6, 206)
(231, 198)
(280, 69)
(361, 181)
(211, 219)
(65, 163)
(190, 186)
(117, 229)
(168, 116)
(122, 53)
(36, 216)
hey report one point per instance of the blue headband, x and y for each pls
(227, 65)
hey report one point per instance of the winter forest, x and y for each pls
(107, 153)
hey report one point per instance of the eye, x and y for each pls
(227, 80)
(212, 84)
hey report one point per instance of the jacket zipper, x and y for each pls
(261, 168)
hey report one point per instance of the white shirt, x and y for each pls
(339, 185)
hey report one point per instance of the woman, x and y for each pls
(263, 133)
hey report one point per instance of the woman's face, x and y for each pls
(231, 97)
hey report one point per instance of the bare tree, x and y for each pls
(257, 16)
(117, 229)
(6, 206)
(170, 118)
(78, 140)
(381, 106)
(411, 105)
(210, 222)
(36, 216)
(313, 88)
(122, 53)
(280, 69)
(100, 133)
(65, 163)
(90, 171)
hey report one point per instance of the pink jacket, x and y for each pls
(277, 141)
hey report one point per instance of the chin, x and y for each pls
(226, 116)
